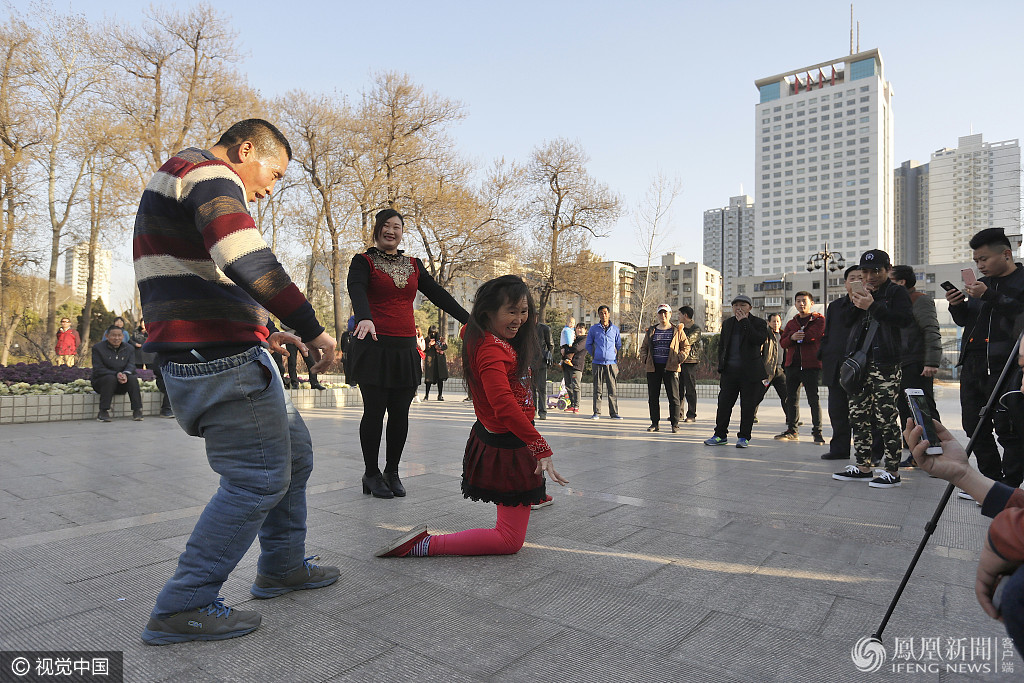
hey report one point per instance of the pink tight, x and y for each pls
(505, 538)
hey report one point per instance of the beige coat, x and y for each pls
(678, 350)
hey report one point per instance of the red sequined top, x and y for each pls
(502, 400)
(383, 288)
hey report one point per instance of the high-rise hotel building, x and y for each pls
(824, 162)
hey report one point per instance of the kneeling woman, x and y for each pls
(505, 455)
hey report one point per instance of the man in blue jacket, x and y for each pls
(603, 344)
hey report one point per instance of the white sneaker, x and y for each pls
(416, 399)
(963, 494)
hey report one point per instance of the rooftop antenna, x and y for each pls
(851, 28)
(858, 37)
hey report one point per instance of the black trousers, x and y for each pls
(158, 374)
(440, 389)
(780, 388)
(539, 388)
(293, 365)
(572, 378)
(976, 384)
(107, 386)
(839, 416)
(377, 400)
(688, 388)
(749, 392)
(670, 380)
(809, 379)
(912, 379)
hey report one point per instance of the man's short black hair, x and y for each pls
(115, 327)
(846, 275)
(264, 136)
(687, 311)
(803, 293)
(991, 237)
(774, 315)
(905, 273)
(602, 306)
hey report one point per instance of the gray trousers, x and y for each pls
(605, 375)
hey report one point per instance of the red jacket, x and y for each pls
(1006, 533)
(814, 328)
(67, 342)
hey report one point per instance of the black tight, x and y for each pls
(440, 389)
(376, 401)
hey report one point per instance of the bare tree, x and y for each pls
(64, 75)
(568, 207)
(18, 136)
(652, 224)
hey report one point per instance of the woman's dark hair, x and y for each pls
(432, 332)
(383, 217)
(489, 299)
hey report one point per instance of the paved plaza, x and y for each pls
(663, 560)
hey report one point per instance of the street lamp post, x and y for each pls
(827, 262)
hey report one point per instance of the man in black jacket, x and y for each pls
(742, 369)
(888, 305)
(113, 372)
(988, 316)
(832, 353)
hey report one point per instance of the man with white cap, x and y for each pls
(742, 370)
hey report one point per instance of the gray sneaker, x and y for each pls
(103, 416)
(307, 576)
(213, 622)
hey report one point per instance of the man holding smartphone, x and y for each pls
(987, 315)
(874, 406)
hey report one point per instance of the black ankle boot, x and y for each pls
(394, 483)
(377, 486)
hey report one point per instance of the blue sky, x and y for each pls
(643, 86)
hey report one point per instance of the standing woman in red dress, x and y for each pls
(505, 455)
(384, 361)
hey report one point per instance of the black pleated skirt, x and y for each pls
(389, 362)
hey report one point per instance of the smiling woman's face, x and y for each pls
(509, 318)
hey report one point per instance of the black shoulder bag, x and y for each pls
(855, 366)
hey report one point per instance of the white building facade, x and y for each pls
(823, 162)
(76, 273)
(729, 240)
(971, 187)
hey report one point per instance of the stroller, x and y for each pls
(559, 400)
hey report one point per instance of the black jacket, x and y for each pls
(893, 311)
(106, 360)
(754, 332)
(992, 317)
(833, 342)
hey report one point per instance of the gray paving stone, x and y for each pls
(663, 560)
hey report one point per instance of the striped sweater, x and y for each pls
(206, 277)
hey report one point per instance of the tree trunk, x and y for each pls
(9, 338)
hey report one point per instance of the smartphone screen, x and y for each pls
(968, 275)
(923, 417)
(948, 286)
(859, 287)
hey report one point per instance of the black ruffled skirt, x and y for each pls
(389, 362)
(499, 468)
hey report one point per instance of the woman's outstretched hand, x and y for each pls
(544, 465)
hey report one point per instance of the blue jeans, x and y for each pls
(260, 447)
(1012, 608)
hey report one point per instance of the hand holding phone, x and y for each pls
(968, 275)
(858, 286)
(948, 286)
(923, 418)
